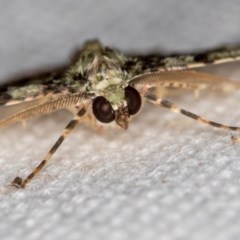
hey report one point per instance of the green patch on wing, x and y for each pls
(31, 90)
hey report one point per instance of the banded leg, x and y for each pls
(17, 182)
(168, 105)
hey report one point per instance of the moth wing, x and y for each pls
(33, 86)
(156, 63)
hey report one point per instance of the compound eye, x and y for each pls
(133, 99)
(102, 110)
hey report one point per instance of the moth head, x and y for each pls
(106, 113)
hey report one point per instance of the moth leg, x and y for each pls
(18, 182)
(196, 94)
(235, 139)
(24, 124)
(170, 106)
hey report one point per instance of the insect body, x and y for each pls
(106, 86)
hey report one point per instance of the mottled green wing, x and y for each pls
(156, 63)
(33, 86)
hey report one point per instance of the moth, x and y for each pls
(105, 87)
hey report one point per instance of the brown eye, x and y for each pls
(133, 99)
(102, 110)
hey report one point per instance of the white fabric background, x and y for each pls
(167, 177)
